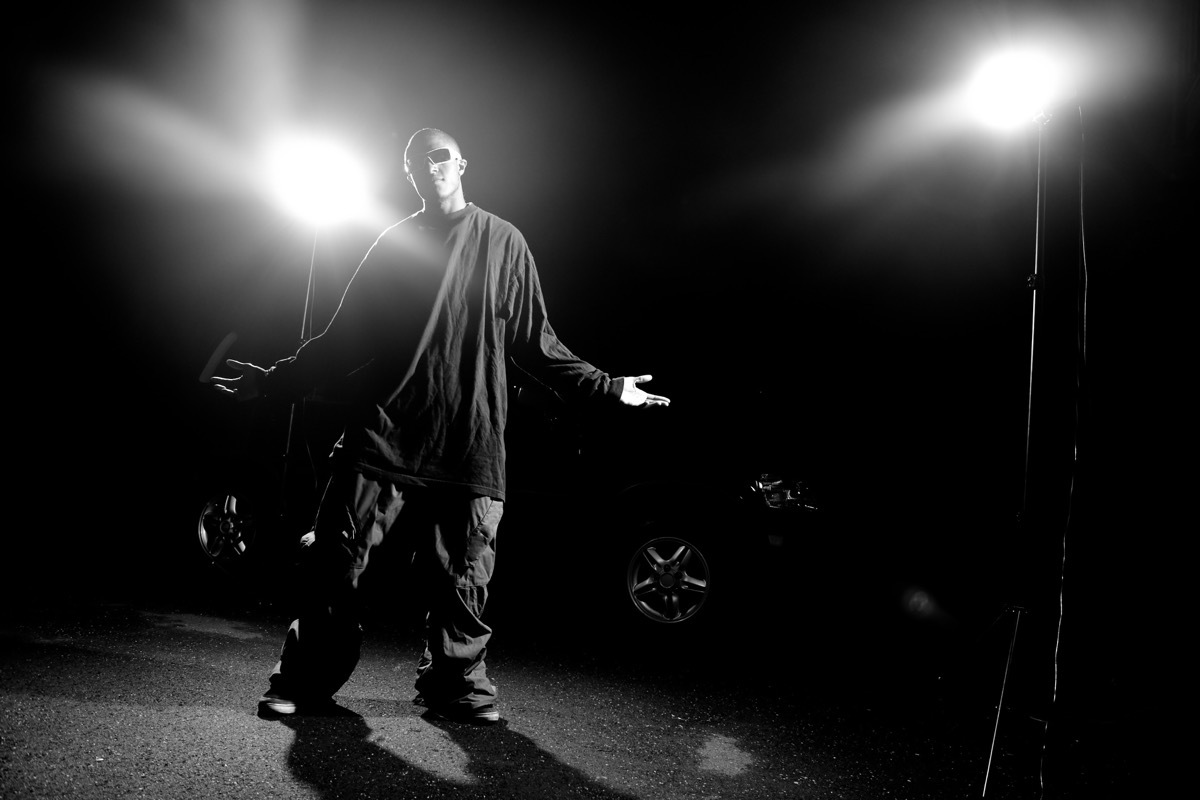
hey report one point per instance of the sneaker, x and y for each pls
(275, 702)
(483, 715)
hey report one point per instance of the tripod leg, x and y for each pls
(1000, 707)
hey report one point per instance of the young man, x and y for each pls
(422, 338)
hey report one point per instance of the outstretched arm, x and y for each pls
(537, 350)
(363, 326)
(631, 395)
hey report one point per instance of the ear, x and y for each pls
(462, 165)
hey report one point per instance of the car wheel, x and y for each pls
(226, 528)
(667, 579)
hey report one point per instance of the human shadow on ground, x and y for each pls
(340, 755)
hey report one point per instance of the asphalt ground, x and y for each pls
(154, 694)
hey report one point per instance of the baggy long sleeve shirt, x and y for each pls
(423, 335)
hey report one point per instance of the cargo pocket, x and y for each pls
(480, 554)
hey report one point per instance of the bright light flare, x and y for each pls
(1013, 87)
(316, 179)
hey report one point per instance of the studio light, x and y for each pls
(1013, 87)
(315, 179)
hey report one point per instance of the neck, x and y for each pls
(447, 206)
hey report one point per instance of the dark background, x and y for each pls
(736, 200)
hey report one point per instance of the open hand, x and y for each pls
(246, 386)
(631, 395)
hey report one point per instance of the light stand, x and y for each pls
(321, 183)
(1033, 282)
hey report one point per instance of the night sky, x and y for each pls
(768, 209)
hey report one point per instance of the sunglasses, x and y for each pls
(434, 157)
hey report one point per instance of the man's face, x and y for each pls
(435, 169)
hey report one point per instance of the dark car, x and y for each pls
(642, 515)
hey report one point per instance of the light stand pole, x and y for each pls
(1033, 282)
(305, 335)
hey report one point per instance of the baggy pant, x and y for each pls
(453, 539)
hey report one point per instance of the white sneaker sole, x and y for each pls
(278, 706)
